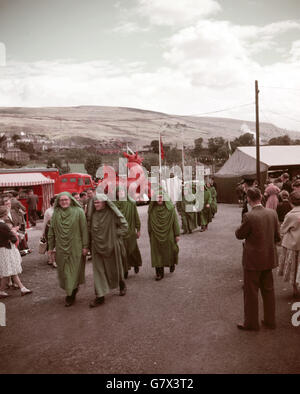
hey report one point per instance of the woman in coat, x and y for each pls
(289, 266)
(10, 258)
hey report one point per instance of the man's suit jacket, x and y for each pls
(260, 229)
(16, 219)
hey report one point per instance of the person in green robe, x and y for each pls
(127, 206)
(214, 205)
(188, 219)
(107, 227)
(68, 234)
(164, 231)
(205, 216)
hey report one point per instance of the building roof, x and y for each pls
(24, 179)
(243, 160)
(275, 155)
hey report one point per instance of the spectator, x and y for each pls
(83, 200)
(10, 258)
(46, 224)
(260, 230)
(284, 205)
(286, 183)
(290, 256)
(32, 202)
(296, 185)
(271, 194)
(76, 196)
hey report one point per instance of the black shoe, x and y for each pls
(69, 301)
(126, 275)
(74, 292)
(270, 326)
(172, 268)
(136, 270)
(159, 273)
(96, 302)
(244, 328)
(123, 288)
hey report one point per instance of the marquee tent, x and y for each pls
(243, 163)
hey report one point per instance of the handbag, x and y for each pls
(42, 246)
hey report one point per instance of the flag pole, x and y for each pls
(159, 152)
(182, 153)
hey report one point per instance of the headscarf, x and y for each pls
(272, 191)
(109, 203)
(74, 202)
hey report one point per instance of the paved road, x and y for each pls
(182, 324)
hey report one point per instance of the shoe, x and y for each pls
(201, 230)
(270, 326)
(136, 270)
(123, 288)
(15, 286)
(54, 265)
(244, 328)
(69, 301)
(159, 273)
(96, 302)
(123, 291)
(25, 291)
(172, 268)
(3, 294)
(74, 292)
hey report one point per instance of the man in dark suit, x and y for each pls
(32, 202)
(260, 229)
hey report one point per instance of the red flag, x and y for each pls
(162, 153)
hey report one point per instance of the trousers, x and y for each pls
(253, 282)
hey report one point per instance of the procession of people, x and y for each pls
(107, 230)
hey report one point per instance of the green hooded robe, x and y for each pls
(107, 227)
(68, 234)
(214, 206)
(163, 227)
(129, 211)
(205, 216)
(188, 219)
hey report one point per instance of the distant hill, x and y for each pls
(126, 124)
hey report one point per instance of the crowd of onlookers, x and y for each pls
(13, 239)
(283, 196)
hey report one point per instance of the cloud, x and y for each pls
(175, 13)
(204, 67)
(127, 27)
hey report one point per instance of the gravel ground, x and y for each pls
(185, 323)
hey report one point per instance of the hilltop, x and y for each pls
(126, 124)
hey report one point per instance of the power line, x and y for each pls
(283, 115)
(223, 110)
(279, 87)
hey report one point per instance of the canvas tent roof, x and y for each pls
(24, 179)
(243, 160)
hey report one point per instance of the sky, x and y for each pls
(187, 57)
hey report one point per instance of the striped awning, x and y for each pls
(24, 179)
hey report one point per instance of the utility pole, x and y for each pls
(257, 135)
